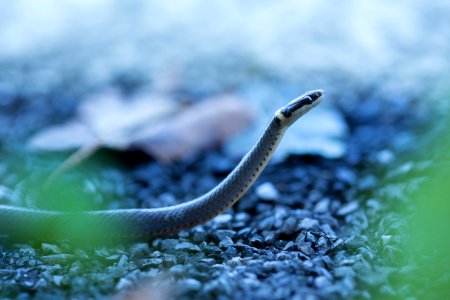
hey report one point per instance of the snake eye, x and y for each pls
(308, 100)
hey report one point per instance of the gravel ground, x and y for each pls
(310, 228)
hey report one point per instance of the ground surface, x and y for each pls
(312, 228)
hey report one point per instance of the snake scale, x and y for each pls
(146, 223)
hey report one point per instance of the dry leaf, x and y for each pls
(202, 126)
(148, 123)
(107, 120)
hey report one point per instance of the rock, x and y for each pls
(223, 219)
(322, 282)
(168, 245)
(140, 250)
(124, 284)
(256, 241)
(346, 175)
(57, 258)
(344, 271)
(50, 248)
(221, 234)
(322, 206)
(151, 262)
(289, 226)
(189, 285)
(309, 224)
(347, 208)
(289, 246)
(305, 247)
(267, 192)
(186, 246)
(226, 243)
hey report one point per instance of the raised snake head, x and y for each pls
(292, 111)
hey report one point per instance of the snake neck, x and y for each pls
(234, 186)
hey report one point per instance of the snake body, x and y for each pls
(146, 223)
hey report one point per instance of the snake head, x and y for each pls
(292, 111)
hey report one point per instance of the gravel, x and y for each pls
(312, 228)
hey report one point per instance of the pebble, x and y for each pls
(167, 245)
(347, 208)
(289, 226)
(289, 246)
(221, 234)
(140, 250)
(186, 246)
(223, 219)
(256, 240)
(322, 282)
(57, 258)
(50, 248)
(267, 192)
(322, 206)
(226, 242)
(124, 284)
(346, 175)
(189, 284)
(309, 224)
(305, 247)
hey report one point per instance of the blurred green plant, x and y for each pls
(70, 195)
(422, 262)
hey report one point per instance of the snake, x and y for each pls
(142, 223)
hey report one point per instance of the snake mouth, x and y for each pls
(304, 100)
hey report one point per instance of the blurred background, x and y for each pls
(209, 46)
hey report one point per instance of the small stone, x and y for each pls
(385, 157)
(347, 208)
(76, 268)
(305, 248)
(230, 252)
(140, 250)
(267, 192)
(256, 241)
(309, 237)
(289, 226)
(346, 175)
(221, 234)
(124, 284)
(168, 245)
(169, 260)
(344, 271)
(151, 262)
(269, 237)
(177, 269)
(57, 258)
(57, 279)
(322, 282)
(337, 245)
(289, 246)
(322, 206)
(189, 284)
(186, 246)
(122, 261)
(50, 248)
(223, 219)
(309, 224)
(226, 243)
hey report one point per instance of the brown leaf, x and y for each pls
(202, 126)
(107, 120)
